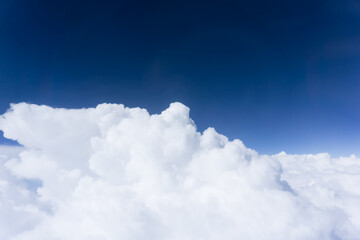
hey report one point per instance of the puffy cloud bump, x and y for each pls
(113, 172)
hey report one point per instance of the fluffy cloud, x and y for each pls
(113, 172)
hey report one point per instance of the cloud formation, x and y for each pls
(113, 172)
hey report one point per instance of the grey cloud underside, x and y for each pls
(112, 172)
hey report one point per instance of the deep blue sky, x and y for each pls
(280, 75)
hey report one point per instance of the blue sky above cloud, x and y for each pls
(281, 75)
(114, 172)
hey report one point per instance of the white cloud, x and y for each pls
(112, 172)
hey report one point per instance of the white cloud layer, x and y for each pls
(112, 172)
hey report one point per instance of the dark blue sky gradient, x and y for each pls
(280, 75)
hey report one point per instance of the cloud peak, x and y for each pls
(113, 172)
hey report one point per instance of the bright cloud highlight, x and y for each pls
(113, 172)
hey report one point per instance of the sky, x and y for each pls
(179, 120)
(279, 75)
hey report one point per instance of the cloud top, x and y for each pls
(113, 172)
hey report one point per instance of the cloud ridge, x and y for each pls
(113, 172)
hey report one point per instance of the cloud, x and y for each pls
(113, 172)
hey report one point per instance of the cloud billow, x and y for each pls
(113, 172)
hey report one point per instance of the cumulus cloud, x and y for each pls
(113, 172)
